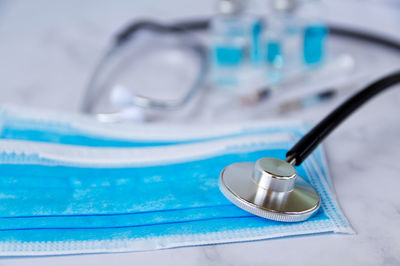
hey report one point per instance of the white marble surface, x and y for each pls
(47, 51)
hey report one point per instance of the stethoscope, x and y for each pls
(269, 188)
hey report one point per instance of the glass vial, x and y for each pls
(230, 42)
(282, 40)
(315, 32)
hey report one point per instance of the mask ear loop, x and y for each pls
(92, 95)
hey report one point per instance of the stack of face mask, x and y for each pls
(71, 185)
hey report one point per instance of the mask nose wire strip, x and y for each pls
(309, 142)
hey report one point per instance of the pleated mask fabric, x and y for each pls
(70, 185)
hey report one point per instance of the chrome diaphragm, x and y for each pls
(269, 188)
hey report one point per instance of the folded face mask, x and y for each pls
(64, 199)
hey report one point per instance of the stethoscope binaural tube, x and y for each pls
(94, 90)
(271, 188)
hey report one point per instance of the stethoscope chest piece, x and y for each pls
(269, 188)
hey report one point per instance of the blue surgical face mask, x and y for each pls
(59, 199)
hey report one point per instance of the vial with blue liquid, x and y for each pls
(256, 52)
(235, 44)
(315, 33)
(282, 40)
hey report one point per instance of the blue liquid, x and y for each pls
(255, 54)
(225, 55)
(314, 40)
(274, 53)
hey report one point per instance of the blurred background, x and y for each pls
(49, 49)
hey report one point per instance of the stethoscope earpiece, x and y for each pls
(269, 188)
